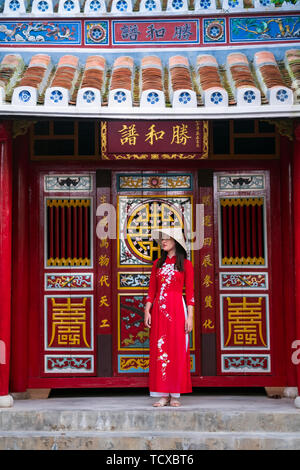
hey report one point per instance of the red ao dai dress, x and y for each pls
(169, 369)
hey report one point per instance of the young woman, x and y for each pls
(169, 320)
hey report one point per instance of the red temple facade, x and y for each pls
(121, 117)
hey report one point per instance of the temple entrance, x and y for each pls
(144, 201)
(88, 289)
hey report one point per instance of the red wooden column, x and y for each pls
(287, 224)
(296, 190)
(5, 260)
(19, 363)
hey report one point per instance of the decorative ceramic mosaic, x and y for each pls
(241, 182)
(244, 281)
(58, 183)
(41, 33)
(155, 181)
(66, 281)
(246, 363)
(192, 32)
(133, 280)
(74, 364)
(270, 28)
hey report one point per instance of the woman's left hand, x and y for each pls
(189, 324)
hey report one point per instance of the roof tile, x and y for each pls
(179, 81)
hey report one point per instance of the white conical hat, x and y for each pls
(173, 232)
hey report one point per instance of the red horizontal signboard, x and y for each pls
(154, 140)
(166, 32)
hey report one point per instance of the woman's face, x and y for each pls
(167, 243)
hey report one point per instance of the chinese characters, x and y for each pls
(129, 135)
(70, 322)
(168, 31)
(245, 322)
(207, 264)
(148, 139)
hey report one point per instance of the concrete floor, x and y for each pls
(136, 399)
(123, 419)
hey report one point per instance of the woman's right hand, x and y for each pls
(147, 318)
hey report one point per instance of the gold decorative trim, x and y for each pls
(127, 363)
(205, 140)
(104, 140)
(154, 156)
(68, 262)
(285, 127)
(68, 202)
(20, 127)
(243, 261)
(246, 201)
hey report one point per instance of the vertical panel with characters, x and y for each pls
(207, 276)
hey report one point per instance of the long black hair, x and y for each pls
(180, 257)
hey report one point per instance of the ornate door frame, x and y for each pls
(144, 199)
(244, 272)
(112, 360)
(64, 288)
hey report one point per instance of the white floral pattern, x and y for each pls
(169, 368)
(167, 272)
(162, 356)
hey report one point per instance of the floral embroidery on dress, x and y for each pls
(169, 365)
(163, 356)
(167, 272)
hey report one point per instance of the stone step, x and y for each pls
(141, 420)
(111, 422)
(148, 440)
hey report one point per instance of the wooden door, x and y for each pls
(240, 278)
(88, 291)
(144, 200)
(64, 293)
(247, 313)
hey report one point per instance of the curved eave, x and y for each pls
(234, 112)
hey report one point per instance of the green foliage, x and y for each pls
(280, 2)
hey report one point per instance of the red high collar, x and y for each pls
(171, 260)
